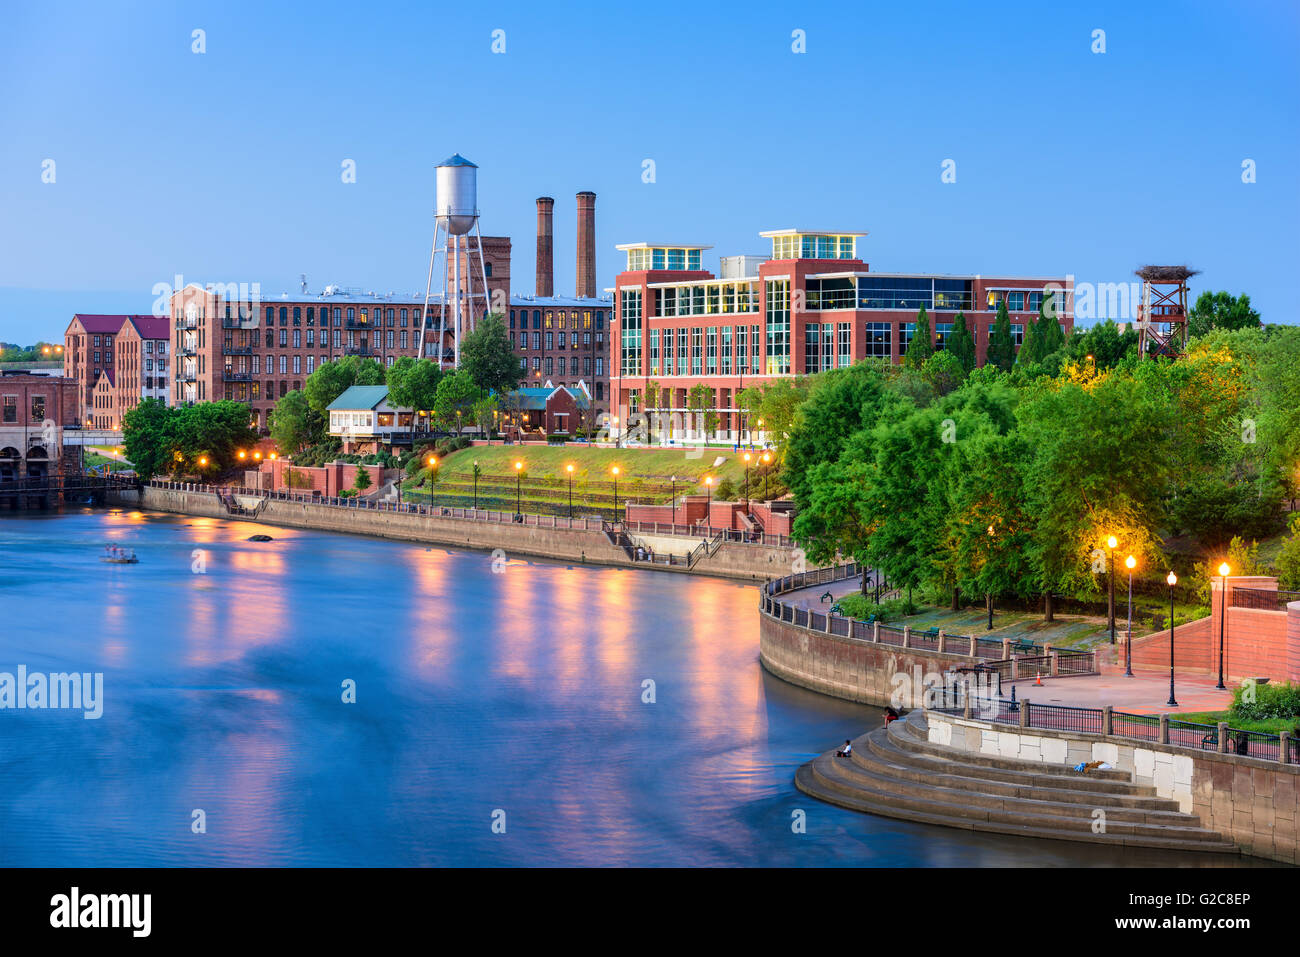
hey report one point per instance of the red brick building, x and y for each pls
(233, 344)
(812, 306)
(34, 411)
(134, 350)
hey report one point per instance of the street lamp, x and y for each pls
(618, 440)
(1110, 574)
(519, 469)
(1223, 614)
(614, 472)
(767, 458)
(1173, 580)
(708, 508)
(569, 469)
(1128, 641)
(747, 482)
(988, 596)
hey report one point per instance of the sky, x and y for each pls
(227, 165)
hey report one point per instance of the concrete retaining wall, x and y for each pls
(850, 668)
(1252, 803)
(746, 562)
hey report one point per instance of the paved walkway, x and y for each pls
(1144, 693)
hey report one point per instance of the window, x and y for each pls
(878, 340)
(812, 348)
(1016, 301)
(941, 332)
(844, 356)
(11, 408)
(311, 364)
(726, 350)
(284, 364)
(711, 350)
(778, 327)
(297, 338)
(1017, 334)
(905, 330)
(697, 351)
(630, 301)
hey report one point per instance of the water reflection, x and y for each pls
(519, 689)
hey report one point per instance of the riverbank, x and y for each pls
(585, 543)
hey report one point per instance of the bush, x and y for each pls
(858, 605)
(1271, 701)
(726, 490)
(557, 438)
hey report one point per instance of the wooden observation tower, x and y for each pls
(1162, 312)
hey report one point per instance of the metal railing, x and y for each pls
(1263, 598)
(1151, 728)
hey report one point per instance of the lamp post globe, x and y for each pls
(1224, 570)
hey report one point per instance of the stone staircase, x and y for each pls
(898, 772)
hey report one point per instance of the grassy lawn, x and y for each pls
(644, 476)
(94, 458)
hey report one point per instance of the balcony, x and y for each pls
(237, 350)
(228, 375)
(361, 350)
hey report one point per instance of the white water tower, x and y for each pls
(455, 216)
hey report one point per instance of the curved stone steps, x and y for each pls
(1062, 809)
(895, 772)
(1025, 784)
(911, 731)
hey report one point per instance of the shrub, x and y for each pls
(1270, 701)
(858, 605)
(726, 490)
(557, 438)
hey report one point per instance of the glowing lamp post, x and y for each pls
(1129, 563)
(614, 472)
(1173, 580)
(1110, 574)
(767, 458)
(519, 472)
(1223, 614)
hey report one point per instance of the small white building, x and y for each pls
(364, 420)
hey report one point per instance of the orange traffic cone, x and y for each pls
(1038, 680)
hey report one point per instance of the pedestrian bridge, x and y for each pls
(91, 437)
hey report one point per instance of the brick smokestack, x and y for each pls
(586, 245)
(545, 246)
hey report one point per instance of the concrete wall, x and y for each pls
(746, 562)
(1250, 802)
(851, 668)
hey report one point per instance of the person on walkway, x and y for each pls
(845, 751)
(891, 715)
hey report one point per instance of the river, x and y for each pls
(488, 690)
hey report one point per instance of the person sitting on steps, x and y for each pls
(845, 751)
(891, 715)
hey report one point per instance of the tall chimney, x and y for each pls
(586, 287)
(545, 246)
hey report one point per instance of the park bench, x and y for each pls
(931, 632)
(1211, 740)
(837, 609)
(867, 621)
(1023, 646)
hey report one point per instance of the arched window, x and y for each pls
(487, 268)
(284, 316)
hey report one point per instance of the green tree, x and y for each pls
(921, 346)
(1051, 335)
(294, 423)
(332, 379)
(413, 383)
(1001, 352)
(943, 372)
(1221, 310)
(700, 402)
(771, 408)
(488, 357)
(454, 402)
(1104, 342)
(961, 344)
(362, 481)
(1288, 559)
(148, 437)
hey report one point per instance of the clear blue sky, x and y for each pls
(225, 166)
